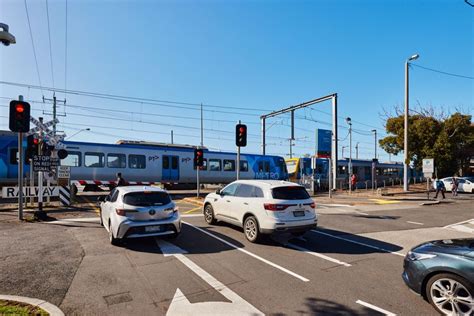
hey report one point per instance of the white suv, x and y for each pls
(136, 211)
(262, 207)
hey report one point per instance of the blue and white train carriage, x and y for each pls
(146, 162)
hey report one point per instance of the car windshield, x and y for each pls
(471, 179)
(146, 198)
(290, 193)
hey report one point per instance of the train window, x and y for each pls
(14, 156)
(263, 166)
(73, 159)
(94, 160)
(137, 161)
(204, 165)
(174, 162)
(229, 165)
(116, 161)
(244, 166)
(166, 162)
(215, 165)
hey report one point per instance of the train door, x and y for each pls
(170, 169)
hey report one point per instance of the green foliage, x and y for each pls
(450, 141)
(19, 309)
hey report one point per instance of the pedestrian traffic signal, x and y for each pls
(32, 144)
(198, 158)
(19, 116)
(241, 135)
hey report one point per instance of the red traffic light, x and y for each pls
(36, 141)
(20, 108)
(242, 129)
(199, 153)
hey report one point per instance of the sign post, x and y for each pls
(428, 169)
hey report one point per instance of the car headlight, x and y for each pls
(415, 256)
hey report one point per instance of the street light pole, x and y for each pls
(82, 130)
(405, 134)
(349, 121)
(357, 150)
(375, 142)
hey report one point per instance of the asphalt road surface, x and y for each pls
(350, 265)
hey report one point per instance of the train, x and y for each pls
(142, 162)
(301, 170)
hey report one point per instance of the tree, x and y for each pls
(449, 140)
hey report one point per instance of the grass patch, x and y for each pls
(20, 309)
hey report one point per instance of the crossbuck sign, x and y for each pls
(54, 140)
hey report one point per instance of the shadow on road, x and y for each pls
(319, 306)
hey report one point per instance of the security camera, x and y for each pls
(5, 37)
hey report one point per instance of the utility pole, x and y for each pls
(375, 144)
(357, 150)
(55, 101)
(349, 121)
(291, 148)
(405, 133)
(202, 145)
(171, 137)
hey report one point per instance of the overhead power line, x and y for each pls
(65, 57)
(34, 50)
(50, 46)
(443, 72)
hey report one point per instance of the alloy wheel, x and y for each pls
(251, 229)
(452, 297)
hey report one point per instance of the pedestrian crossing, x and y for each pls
(465, 226)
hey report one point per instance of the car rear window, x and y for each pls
(290, 193)
(146, 198)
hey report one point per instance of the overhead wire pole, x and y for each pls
(202, 145)
(293, 108)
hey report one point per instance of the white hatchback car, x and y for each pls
(137, 211)
(262, 207)
(465, 184)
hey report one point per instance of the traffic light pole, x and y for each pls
(40, 214)
(20, 171)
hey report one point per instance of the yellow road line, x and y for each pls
(193, 210)
(379, 201)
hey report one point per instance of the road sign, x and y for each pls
(64, 172)
(44, 128)
(428, 165)
(12, 192)
(44, 163)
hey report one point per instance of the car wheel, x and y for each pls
(450, 294)
(209, 214)
(114, 241)
(251, 230)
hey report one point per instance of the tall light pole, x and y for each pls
(82, 130)
(405, 136)
(357, 150)
(349, 121)
(375, 143)
(343, 151)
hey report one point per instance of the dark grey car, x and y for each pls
(442, 272)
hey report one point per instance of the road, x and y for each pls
(350, 265)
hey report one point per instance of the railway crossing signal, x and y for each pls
(198, 157)
(19, 116)
(32, 144)
(241, 135)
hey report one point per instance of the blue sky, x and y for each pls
(244, 57)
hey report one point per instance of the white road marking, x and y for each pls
(460, 223)
(76, 220)
(191, 215)
(317, 254)
(180, 305)
(335, 205)
(361, 213)
(250, 253)
(378, 309)
(415, 223)
(360, 243)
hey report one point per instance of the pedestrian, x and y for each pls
(120, 180)
(455, 185)
(353, 182)
(440, 188)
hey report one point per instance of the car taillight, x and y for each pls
(275, 207)
(313, 205)
(120, 211)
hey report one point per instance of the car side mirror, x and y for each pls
(218, 191)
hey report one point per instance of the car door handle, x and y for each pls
(245, 203)
(228, 200)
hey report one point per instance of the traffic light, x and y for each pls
(47, 149)
(241, 135)
(19, 116)
(198, 158)
(32, 144)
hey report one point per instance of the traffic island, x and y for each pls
(19, 305)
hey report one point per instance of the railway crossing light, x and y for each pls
(19, 116)
(198, 157)
(241, 135)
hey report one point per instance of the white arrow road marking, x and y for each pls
(375, 308)
(250, 253)
(180, 305)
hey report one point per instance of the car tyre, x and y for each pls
(114, 241)
(440, 286)
(251, 229)
(209, 215)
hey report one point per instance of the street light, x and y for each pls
(349, 122)
(82, 130)
(5, 37)
(405, 136)
(375, 144)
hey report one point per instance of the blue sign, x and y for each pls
(323, 146)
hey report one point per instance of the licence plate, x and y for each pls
(298, 213)
(155, 228)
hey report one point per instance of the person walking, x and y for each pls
(440, 188)
(120, 180)
(455, 185)
(353, 182)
